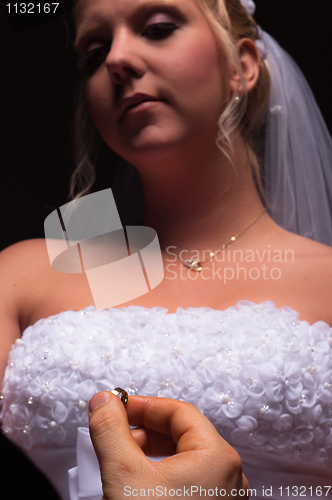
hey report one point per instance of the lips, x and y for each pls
(135, 100)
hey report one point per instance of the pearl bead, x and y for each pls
(224, 398)
(177, 352)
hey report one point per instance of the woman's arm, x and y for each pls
(16, 269)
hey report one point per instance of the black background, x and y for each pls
(36, 108)
(36, 105)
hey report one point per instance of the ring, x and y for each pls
(122, 393)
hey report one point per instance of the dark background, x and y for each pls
(36, 108)
(36, 105)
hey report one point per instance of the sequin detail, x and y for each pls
(262, 376)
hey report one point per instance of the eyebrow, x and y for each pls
(141, 10)
(91, 28)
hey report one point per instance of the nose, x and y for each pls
(124, 60)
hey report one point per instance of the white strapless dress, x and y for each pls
(262, 376)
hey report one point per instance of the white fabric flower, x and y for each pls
(262, 376)
(249, 6)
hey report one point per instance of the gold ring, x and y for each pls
(122, 393)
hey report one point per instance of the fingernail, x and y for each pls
(98, 399)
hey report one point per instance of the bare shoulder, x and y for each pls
(24, 248)
(308, 251)
(24, 259)
(315, 260)
(311, 272)
(26, 276)
(18, 265)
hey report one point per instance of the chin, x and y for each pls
(151, 144)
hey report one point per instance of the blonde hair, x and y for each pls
(229, 22)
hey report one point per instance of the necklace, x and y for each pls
(197, 265)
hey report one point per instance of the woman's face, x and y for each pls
(156, 81)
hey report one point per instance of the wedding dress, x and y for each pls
(262, 376)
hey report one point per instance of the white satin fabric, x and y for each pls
(82, 482)
(84, 479)
(85, 482)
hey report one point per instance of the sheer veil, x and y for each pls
(298, 148)
(298, 151)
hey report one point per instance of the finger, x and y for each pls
(245, 483)
(186, 425)
(154, 444)
(120, 458)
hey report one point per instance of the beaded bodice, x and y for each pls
(262, 376)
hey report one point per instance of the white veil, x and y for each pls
(298, 151)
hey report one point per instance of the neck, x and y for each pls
(202, 203)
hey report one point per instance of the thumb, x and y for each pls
(120, 458)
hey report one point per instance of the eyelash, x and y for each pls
(156, 31)
(163, 30)
(92, 58)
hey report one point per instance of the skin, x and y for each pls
(183, 173)
(199, 454)
(172, 69)
(192, 198)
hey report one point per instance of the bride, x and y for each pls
(185, 91)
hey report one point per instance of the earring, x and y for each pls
(237, 99)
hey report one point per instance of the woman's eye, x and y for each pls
(158, 31)
(94, 58)
(96, 55)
